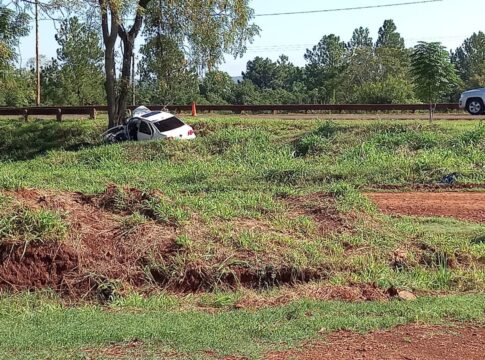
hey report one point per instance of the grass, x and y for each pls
(49, 329)
(251, 195)
(21, 224)
(251, 156)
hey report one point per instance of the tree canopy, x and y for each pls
(180, 54)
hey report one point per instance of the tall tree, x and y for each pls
(217, 87)
(325, 61)
(166, 76)
(80, 58)
(434, 74)
(267, 74)
(262, 72)
(360, 39)
(205, 30)
(389, 37)
(469, 60)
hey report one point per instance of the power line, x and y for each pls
(421, 2)
(351, 8)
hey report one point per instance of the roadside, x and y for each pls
(403, 342)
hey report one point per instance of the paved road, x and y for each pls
(396, 116)
(378, 116)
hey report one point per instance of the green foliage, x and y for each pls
(21, 141)
(325, 61)
(433, 73)
(389, 37)
(469, 60)
(13, 26)
(17, 87)
(360, 39)
(166, 76)
(217, 88)
(76, 76)
(268, 75)
(15, 84)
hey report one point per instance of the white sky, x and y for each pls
(449, 21)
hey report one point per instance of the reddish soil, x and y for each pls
(321, 207)
(430, 187)
(104, 254)
(404, 342)
(98, 254)
(468, 206)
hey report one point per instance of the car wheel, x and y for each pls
(475, 106)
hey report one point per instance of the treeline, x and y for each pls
(359, 70)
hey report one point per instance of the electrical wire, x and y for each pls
(351, 8)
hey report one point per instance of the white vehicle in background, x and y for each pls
(473, 101)
(147, 125)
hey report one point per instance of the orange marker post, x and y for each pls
(194, 109)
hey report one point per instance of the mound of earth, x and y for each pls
(109, 251)
(403, 342)
(467, 206)
(98, 252)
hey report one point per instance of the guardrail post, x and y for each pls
(59, 115)
(26, 115)
(92, 113)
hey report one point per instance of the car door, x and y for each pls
(145, 131)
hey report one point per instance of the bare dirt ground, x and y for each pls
(404, 342)
(468, 206)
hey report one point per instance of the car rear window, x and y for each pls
(168, 124)
(149, 114)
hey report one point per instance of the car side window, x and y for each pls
(145, 128)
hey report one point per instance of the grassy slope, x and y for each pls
(236, 169)
(240, 155)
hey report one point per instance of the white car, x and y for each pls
(473, 101)
(147, 125)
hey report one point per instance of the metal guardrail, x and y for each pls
(237, 109)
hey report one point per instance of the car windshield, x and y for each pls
(168, 124)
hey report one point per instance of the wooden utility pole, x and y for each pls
(37, 60)
(133, 79)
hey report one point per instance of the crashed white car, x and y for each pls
(147, 125)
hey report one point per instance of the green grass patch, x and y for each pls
(19, 223)
(29, 326)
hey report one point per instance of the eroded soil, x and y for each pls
(104, 253)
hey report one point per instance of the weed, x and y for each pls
(18, 223)
(131, 222)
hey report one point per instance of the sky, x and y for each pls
(448, 21)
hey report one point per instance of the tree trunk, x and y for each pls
(125, 81)
(110, 85)
(110, 33)
(128, 39)
(117, 102)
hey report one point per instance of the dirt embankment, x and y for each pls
(467, 206)
(98, 253)
(116, 242)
